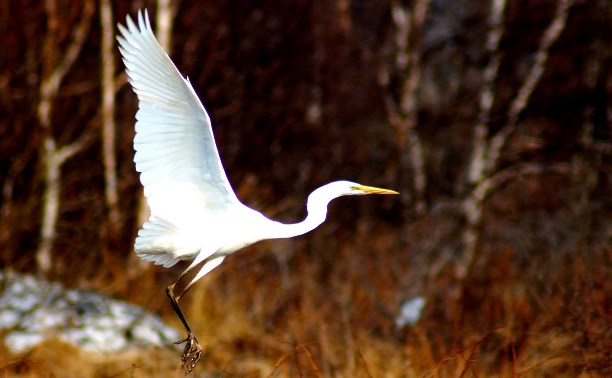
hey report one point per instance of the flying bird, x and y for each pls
(195, 214)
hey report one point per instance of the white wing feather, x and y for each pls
(175, 148)
(181, 171)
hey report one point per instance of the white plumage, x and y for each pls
(194, 211)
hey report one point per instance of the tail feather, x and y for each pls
(162, 243)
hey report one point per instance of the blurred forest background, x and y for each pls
(492, 118)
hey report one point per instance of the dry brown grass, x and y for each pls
(54, 358)
(331, 314)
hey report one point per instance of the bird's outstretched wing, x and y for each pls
(175, 148)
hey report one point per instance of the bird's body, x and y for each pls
(195, 214)
(221, 233)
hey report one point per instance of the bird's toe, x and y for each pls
(191, 354)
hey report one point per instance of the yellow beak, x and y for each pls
(374, 190)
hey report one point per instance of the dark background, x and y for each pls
(301, 93)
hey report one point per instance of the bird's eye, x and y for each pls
(353, 188)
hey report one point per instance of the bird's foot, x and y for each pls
(191, 354)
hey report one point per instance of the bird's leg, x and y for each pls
(174, 303)
(193, 350)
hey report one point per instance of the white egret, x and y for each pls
(195, 214)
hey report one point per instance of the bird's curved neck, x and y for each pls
(317, 211)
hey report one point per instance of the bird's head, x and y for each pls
(347, 188)
(320, 198)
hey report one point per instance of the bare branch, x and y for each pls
(488, 186)
(477, 166)
(473, 208)
(66, 152)
(550, 36)
(50, 85)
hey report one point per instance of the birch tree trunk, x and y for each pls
(486, 151)
(53, 157)
(402, 113)
(166, 10)
(108, 116)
